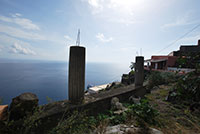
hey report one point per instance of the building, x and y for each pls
(190, 49)
(169, 61)
(162, 62)
(185, 50)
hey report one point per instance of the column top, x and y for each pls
(77, 47)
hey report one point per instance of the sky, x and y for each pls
(111, 30)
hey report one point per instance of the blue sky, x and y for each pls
(111, 30)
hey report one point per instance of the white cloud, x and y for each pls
(4, 39)
(5, 19)
(121, 6)
(68, 38)
(26, 24)
(13, 45)
(102, 38)
(15, 32)
(18, 49)
(96, 5)
(22, 22)
(119, 11)
(16, 15)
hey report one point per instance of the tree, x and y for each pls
(132, 66)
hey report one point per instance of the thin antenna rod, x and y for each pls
(78, 38)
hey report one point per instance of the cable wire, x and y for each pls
(180, 38)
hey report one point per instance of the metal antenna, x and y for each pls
(78, 38)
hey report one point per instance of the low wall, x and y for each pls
(93, 104)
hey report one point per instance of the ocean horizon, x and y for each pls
(49, 79)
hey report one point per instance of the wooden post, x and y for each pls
(76, 81)
(139, 71)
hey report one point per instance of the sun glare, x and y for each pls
(126, 6)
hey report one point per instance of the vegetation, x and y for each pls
(79, 122)
(132, 66)
(152, 111)
(76, 123)
(188, 87)
(25, 125)
(173, 118)
(188, 61)
(1, 101)
(143, 111)
(156, 78)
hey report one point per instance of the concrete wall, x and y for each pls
(139, 71)
(94, 104)
(76, 81)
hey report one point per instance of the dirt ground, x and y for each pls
(173, 118)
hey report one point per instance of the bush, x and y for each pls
(158, 78)
(144, 112)
(76, 123)
(188, 87)
(155, 79)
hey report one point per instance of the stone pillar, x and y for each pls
(76, 78)
(139, 71)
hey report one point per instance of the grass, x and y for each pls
(173, 119)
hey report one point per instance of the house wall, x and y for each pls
(188, 49)
(159, 57)
(171, 60)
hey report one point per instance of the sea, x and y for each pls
(49, 80)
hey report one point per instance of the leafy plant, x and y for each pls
(188, 87)
(31, 122)
(158, 78)
(155, 79)
(132, 66)
(143, 111)
(189, 60)
(113, 118)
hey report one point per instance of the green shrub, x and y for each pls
(131, 73)
(188, 87)
(158, 78)
(113, 118)
(143, 111)
(76, 123)
(155, 79)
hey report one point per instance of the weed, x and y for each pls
(76, 123)
(188, 87)
(1, 101)
(158, 78)
(144, 112)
